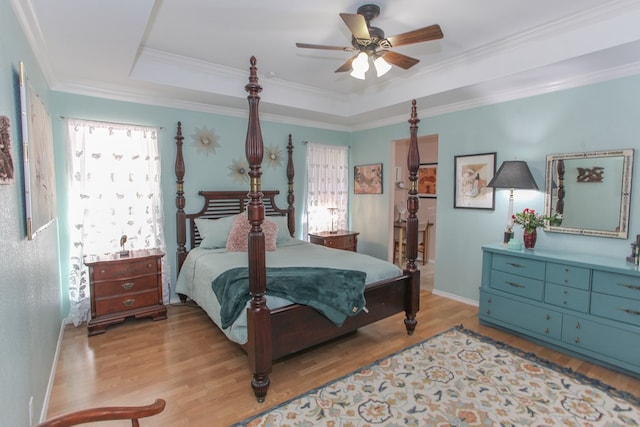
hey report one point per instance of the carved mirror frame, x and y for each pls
(555, 190)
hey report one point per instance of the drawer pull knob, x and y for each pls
(516, 265)
(626, 285)
(488, 311)
(515, 285)
(548, 317)
(578, 325)
(129, 302)
(565, 292)
(546, 330)
(566, 270)
(577, 340)
(629, 311)
(489, 300)
(127, 286)
(149, 265)
(566, 280)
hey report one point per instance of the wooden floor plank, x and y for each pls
(205, 378)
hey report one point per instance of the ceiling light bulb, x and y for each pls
(360, 66)
(382, 66)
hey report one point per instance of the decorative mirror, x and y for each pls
(592, 192)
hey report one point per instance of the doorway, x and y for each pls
(427, 208)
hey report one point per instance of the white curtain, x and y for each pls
(114, 190)
(327, 187)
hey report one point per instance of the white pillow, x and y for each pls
(214, 232)
(283, 228)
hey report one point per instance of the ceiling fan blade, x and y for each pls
(321, 46)
(357, 25)
(346, 66)
(432, 32)
(400, 60)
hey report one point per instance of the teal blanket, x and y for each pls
(333, 292)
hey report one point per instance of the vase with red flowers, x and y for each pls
(530, 221)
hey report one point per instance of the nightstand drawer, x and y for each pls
(616, 284)
(125, 302)
(340, 242)
(517, 285)
(118, 270)
(123, 287)
(566, 296)
(568, 275)
(520, 266)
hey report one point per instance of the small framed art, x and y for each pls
(427, 180)
(367, 179)
(472, 173)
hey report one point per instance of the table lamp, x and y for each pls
(512, 174)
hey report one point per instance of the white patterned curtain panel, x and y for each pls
(327, 187)
(114, 190)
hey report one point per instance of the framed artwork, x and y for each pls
(472, 173)
(367, 179)
(427, 180)
(39, 169)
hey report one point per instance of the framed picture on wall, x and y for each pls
(427, 180)
(472, 173)
(367, 179)
(37, 146)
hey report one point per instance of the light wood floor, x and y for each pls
(205, 379)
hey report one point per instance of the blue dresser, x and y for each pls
(585, 305)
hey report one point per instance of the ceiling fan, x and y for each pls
(370, 41)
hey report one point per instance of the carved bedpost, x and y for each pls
(258, 316)
(412, 304)
(291, 210)
(181, 224)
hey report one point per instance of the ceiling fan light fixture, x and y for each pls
(382, 66)
(360, 66)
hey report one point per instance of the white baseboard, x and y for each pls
(52, 374)
(456, 298)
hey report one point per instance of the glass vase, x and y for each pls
(529, 239)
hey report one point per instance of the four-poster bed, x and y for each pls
(272, 331)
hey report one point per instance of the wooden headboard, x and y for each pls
(219, 204)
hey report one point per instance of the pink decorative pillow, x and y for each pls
(238, 240)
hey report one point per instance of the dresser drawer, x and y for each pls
(616, 308)
(623, 285)
(568, 275)
(118, 270)
(520, 266)
(517, 285)
(124, 287)
(538, 320)
(567, 297)
(603, 339)
(126, 302)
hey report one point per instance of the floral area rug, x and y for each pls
(458, 378)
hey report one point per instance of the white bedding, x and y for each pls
(203, 265)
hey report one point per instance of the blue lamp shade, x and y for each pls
(513, 174)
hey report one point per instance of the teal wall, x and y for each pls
(596, 117)
(34, 273)
(30, 314)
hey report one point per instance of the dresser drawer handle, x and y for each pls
(578, 325)
(516, 265)
(129, 302)
(546, 330)
(516, 285)
(149, 265)
(630, 311)
(127, 286)
(577, 340)
(548, 317)
(488, 311)
(626, 285)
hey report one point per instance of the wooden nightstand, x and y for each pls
(342, 239)
(123, 287)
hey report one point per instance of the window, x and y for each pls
(114, 190)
